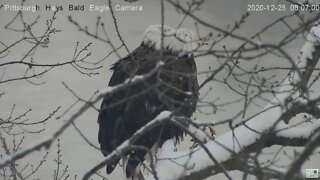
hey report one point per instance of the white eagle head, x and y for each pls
(176, 40)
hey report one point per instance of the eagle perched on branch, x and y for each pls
(174, 87)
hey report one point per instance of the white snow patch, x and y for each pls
(200, 135)
(313, 39)
(314, 35)
(174, 164)
(177, 40)
(297, 132)
(204, 135)
(307, 50)
(167, 147)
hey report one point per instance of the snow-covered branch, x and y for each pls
(127, 145)
(263, 127)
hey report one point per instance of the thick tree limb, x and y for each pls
(259, 131)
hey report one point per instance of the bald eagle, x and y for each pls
(174, 88)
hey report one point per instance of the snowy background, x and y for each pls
(44, 98)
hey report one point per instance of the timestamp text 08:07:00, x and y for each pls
(282, 7)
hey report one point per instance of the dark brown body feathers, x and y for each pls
(174, 88)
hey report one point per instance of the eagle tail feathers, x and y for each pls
(112, 166)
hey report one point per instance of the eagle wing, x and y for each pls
(115, 108)
(127, 110)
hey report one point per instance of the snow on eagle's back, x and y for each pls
(177, 40)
